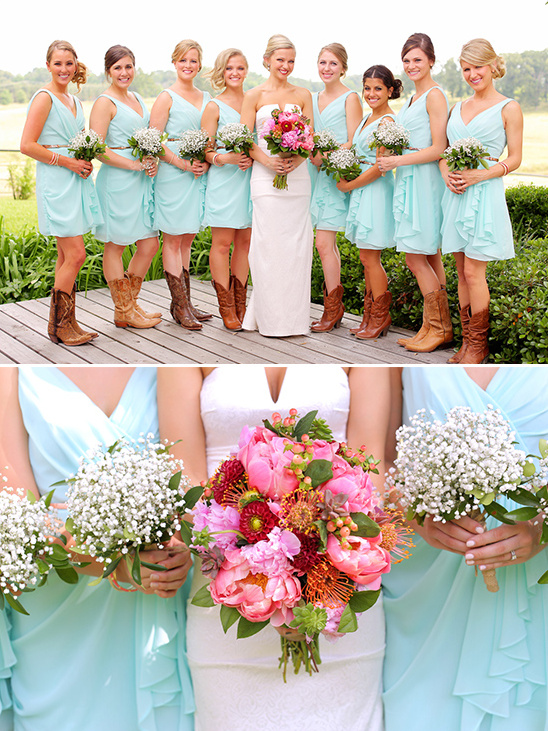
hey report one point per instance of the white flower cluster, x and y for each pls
(123, 497)
(235, 134)
(85, 140)
(25, 528)
(466, 146)
(148, 140)
(325, 140)
(391, 135)
(193, 143)
(343, 158)
(447, 468)
(467, 153)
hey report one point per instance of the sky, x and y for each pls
(372, 32)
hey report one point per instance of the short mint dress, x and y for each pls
(90, 658)
(459, 658)
(67, 204)
(419, 188)
(370, 223)
(328, 205)
(228, 198)
(179, 197)
(477, 222)
(125, 195)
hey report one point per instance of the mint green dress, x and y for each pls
(67, 204)
(328, 205)
(477, 222)
(419, 188)
(90, 658)
(459, 658)
(125, 195)
(228, 197)
(179, 197)
(370, 223)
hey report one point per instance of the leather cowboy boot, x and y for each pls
(478, 349)
(135, 284)
(75, 325)
(465, 320)
(333, 310)
(367, 302)
(436, 334)
(125, 314)
(60, 327)
(227, 306)
(240, 297)
(198, 314)
(180, 308)
(379, 320)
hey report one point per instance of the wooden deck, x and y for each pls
(23, 337)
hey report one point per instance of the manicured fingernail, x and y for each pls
(469, 562)
(479, 529)
(470, 543)
(482, 568)
(154, 577)
(469, 556)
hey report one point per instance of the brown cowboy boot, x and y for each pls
(436, 334)
(198, 314)
(478, 349)
(180, 308)
(379, 320)
(227, 305)
(465, 320)
(60, 327)
(333, 310)
(135, 284)
(125, 314)
(75, 325)
(240, 297)
(367, 302)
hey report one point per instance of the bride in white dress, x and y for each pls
(237, 683)
(280, 257)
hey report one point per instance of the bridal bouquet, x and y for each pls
(28, 553)
(287, 134)
(193, 144)
(390, 135)
(324, 141)
(235, 137)
(343, 163)
(125, 499)
(457, 467)
(87, 146)
(147, 142)
(290, 533)
(467, 153)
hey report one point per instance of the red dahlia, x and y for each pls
(256, 521)
(229, 474)
(286, 126)
(308, 556)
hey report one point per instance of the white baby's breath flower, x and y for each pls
(193, 143)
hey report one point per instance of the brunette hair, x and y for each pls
(338, 50)
(217, 74)
(81, 73)
(184, 47)
(422, 41)
(480, 52)
(276, 43)
(387, 77)
(114, 54)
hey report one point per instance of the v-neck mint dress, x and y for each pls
(228, 195)
(477, 222)
(179, 197)
(459, 658)
(419, 188)
(67, 204)
(370, 223)
(90, 658)
(328, 205)
(125, 195)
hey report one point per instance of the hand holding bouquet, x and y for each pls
(389, 138)
(235, 137)
(146, 144)
(466, 154)
(287, 134)
(342, 163)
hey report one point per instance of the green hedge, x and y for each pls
(528, 208)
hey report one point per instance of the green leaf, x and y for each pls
(522, 514)
(248, 629)
(304, 425)
(48, 498)
(31, 497)
(59, 552)
(2, 602)
(136, 568)
(186, 532)
(544, 535)
(175, 481)
(69, 525)
(15, 604)
(112, 566)
(203, 598)
(349, 621)
(523, 497)
(43, 567)
(361, 601)
(543, 446)
(367, 528)
(544, 578)
(498, 512)
(154, 566)
(193, 495)
(68, 574)
(229, 615)
(319, 471)
(322, 530)
(529, 469)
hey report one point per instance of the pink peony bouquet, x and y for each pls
(290, 533)
(287, 134)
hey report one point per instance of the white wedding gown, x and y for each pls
(280, 256)
(237, 683)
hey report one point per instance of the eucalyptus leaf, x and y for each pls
(153, 566)
(175, 481)
(31, 497)
(48, 498)
(69, 525)
(248, 629)
(529, 469)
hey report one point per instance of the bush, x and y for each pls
(22, 179)
(528, 208)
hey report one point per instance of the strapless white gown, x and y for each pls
(237, 683)
(280, 256)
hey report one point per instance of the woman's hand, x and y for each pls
(505, 545)
(346, 186)
(199, 168)
(451, 536)
(83, 168)
(278, 165)
(385, 164)
(316, 159)
(150, 165)
(246, 162)
(462, 179)
(176, 558)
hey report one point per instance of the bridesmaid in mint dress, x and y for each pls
(179, 190)
(88, 657)
(476, 225)
(418, 192)
(124, 185)
(458, 657)
(339, 109)
(370, 223)
(228, 206)
(65, 194)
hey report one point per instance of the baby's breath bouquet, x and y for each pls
(147, 142)
(235, 137)
(324, 141)
(87, 145)
(125, 499)
(193, 144)
(457, 467)
(28, 528)
(390, 135)
(466, 154)
(342, 163)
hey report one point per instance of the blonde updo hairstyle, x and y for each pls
(81, 73)
(217, 74)
(338, 50)
(480, 52)
(184, 47)
(276, 43)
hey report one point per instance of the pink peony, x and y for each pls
(266, 462)
(272, 556)
(217, 518)
(362, 497)
(364, 563)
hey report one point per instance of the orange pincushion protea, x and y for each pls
(299, 509)
(395, 535)
(327, 586)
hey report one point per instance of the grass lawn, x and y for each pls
(18, 215)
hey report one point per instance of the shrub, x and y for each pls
(22, 179)
(528, 208)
